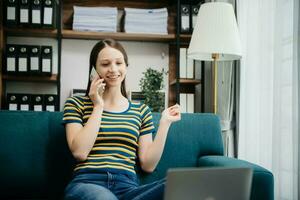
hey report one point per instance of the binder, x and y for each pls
(182, 63)
(190, 68)
(185, 19)
(48, 10)
(195, 10)
(46, 60)
(23, 61)
(11, 12)
(190, 103)
(34, 60)
(24, 102)
(37, 102)
(36, 13)
(198, 69)
(12, 101)
(183, 102)
(50, 102)
(24, 14)
(11, 60)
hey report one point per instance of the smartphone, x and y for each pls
(93, 74)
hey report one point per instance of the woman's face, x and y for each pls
(111, 66)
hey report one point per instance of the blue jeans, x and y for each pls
(109, 186)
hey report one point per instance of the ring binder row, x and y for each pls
(30, 13)
(28, 60)
(187, 102)
(32, 102)
(188, 17)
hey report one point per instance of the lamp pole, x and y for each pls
(215, 57)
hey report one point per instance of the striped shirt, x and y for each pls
(116, 145)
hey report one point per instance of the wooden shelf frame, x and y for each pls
(185, 81)
(31, 32)
(30, 78)
(70, 34)
(185, 36)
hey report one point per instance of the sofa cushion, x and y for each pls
(60, 161)
(23, 168)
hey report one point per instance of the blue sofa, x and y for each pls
(35, 162)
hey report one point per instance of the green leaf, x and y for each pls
(150, 85)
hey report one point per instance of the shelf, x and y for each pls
(29, 32)
(52, 78)
(186, 36)
(70, 34)
(185, 39)
(185, 81)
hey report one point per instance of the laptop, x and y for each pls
(216, 183)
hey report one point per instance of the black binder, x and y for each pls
(24, 14)
(11, 61)
(195, 10)
(48, 13)
(23, 61)
(11, 12)
(12, 101)
(51, 102)
(37, 102)
(34, 60)
(185, 19)
(36, 13)
(46, 60)
(24, 102)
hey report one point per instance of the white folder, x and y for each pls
(36, 17)
(190, 103)
(24, 107)
(24, 15)
(38, 108)
(46, 65)
(183, 100)
(48, 14)
(11, 64)
(13, 106)
(50, 108)
(22, 64)
(11, 13)
(182, 63)
(190, 68)
(34, 63)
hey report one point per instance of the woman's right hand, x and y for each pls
(96, 92)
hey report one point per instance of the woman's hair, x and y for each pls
(94, 55)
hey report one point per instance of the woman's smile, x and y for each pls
(113, 77)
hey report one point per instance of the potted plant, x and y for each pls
(150, 85)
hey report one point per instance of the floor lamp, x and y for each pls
(215, 38)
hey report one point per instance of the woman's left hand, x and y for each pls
(171, 114)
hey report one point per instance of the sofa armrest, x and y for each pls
(262, 182)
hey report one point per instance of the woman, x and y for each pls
(106, 133)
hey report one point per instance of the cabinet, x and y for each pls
(29, 35)
(173, 39)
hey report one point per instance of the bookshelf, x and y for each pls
(63, 30)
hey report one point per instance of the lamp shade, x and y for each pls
(216, 32)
